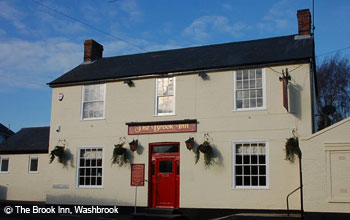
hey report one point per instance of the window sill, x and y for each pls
(89, 187)
(34, 172)
(4, 172)
(161, 115)
(251, 188)
(92, 119)
(248, 109)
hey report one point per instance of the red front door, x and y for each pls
(164, 175)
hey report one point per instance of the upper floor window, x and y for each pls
(93, 101)
(33, 164)
(249, 89)
(165, 96)
(4, 164)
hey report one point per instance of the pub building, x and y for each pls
(194, 128)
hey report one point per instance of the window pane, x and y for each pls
(99, 181)
(262, 180)
(239, 159)
(82, 172)
(4, 165)
(166, 166)
(254, 181)
(239, 181)
(166, 149)
(245, 74)
(99, 172)
(239, 95)
(93, 181)
(245, 84)
(254, 159)
(93, 171)
(165, 104)
(170, 90)
(252, 102)
(252, 84)
(160, 90)
(87, 180)
(246, 170)
(239, 84)
(258, 73)
(239, 170)
(246, 103)
(262, 159)
(246, 159)
(252, 94)
(246, 181)
(239, 75)
(33, 165)
(81, 181)
(254, 170)
(262, 170)
(252, 74)
(258, 83)
(239, 103)
(259, 93)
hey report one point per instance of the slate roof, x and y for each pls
(5, 131)
(27, 140)
(237, 54)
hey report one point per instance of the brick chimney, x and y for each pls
(304, 22)
(92, 51)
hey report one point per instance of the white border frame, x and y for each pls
(267, 160)
(329, 149)
(29, 162)
(77, 170)
(156, 98)
(264, 92)
(8, 164)
(82, 104)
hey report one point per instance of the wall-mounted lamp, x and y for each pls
(204, 76)
(58, 128)
(129, 82)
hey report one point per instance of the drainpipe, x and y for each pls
(301, 188)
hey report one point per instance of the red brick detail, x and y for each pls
(304, 22)
(92, 50)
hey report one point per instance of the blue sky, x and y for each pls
(37, 44)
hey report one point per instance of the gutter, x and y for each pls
(155, 75)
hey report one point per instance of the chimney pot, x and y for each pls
(92, 50)
(304, 22)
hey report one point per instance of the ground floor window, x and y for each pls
(4, 164)
(33, 164)
(90, 169)
(250, 164)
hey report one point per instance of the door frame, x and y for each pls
(177, 177)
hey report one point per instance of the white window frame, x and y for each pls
(82, 104)
(30, 162)
(78, 166)
(8, 164)
(266, 162)
(263, 107)
(156, 98)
